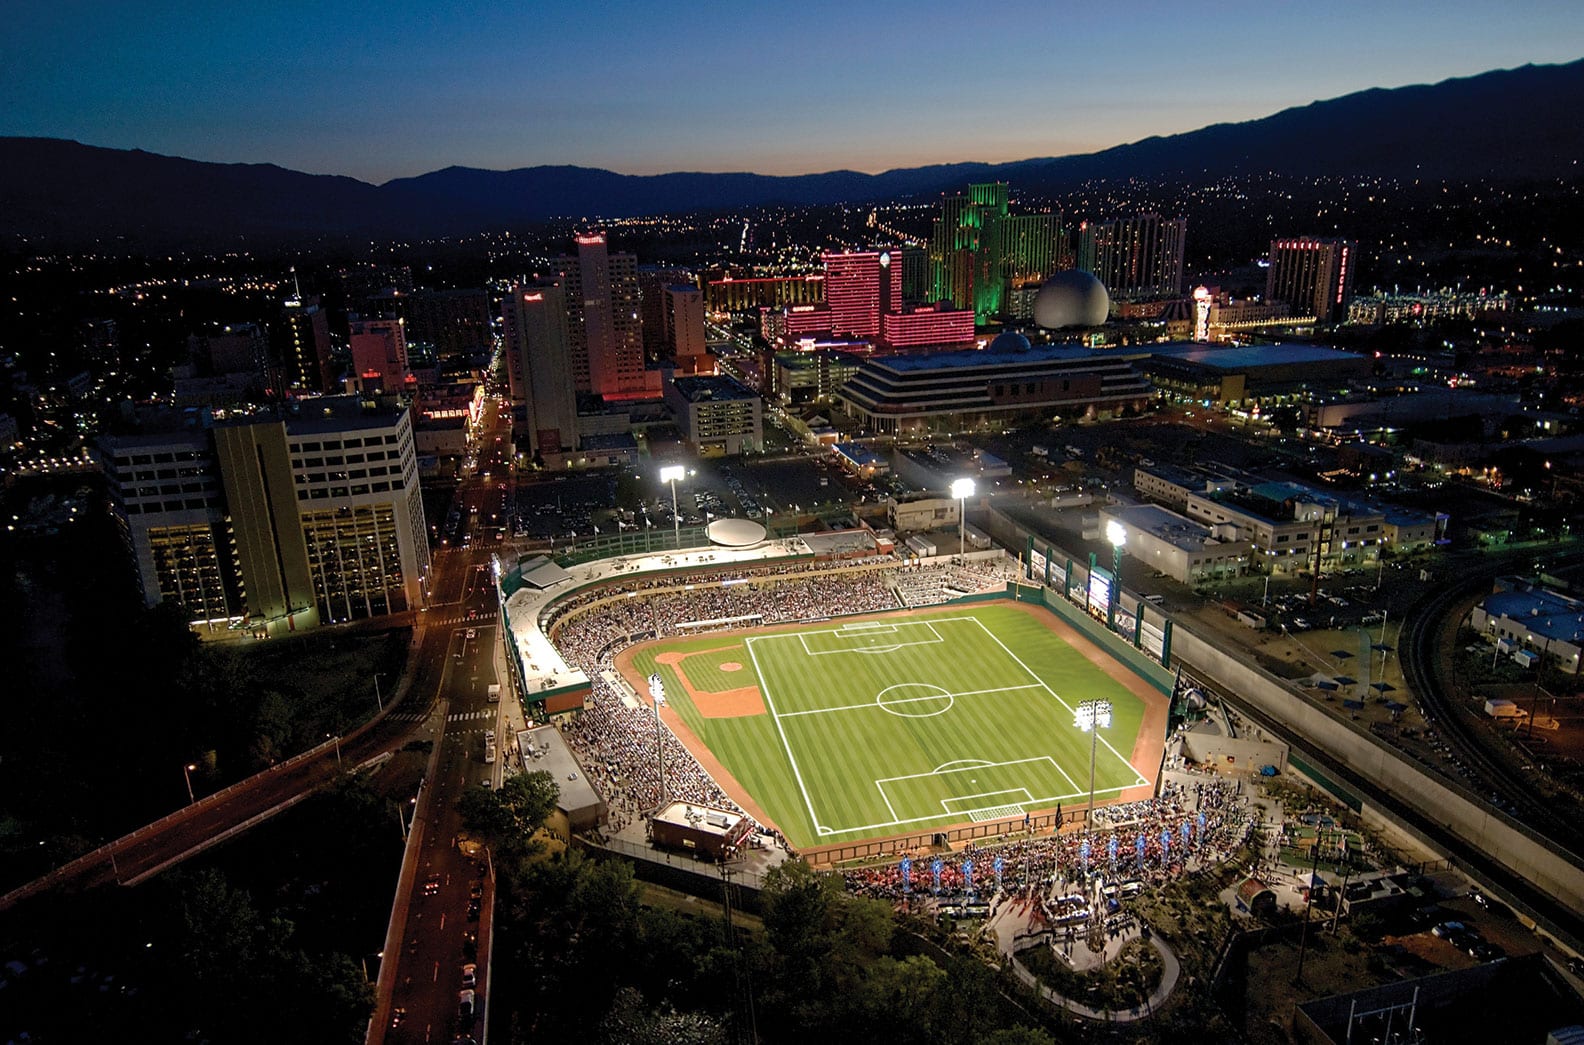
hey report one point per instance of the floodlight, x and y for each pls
(1092, 714)
(962, 489)
(1116, 533)
(672, 473)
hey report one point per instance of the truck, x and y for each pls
(1499, 708)
(494, 692)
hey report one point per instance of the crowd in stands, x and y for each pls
(616, 739)
(1047, 872)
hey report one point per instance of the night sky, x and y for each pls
(388, 89)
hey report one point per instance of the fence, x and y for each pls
(883, 848)
(697, 877)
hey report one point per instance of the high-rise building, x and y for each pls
(1136, 258)
(455, 322)
(539, 366)
(277, 524)
(379, 353)
(979, 250)
(1312, 276)
(683, 318)
(302, 345)
(238, 348)
(860, 287)
(606, 331)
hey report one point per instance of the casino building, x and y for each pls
(1008, 382)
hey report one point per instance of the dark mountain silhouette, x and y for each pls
(1518, 124)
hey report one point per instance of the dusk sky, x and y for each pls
(384, 90)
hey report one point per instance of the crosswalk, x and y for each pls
(464, 716)
(406, 716)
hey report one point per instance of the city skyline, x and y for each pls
(381, 93)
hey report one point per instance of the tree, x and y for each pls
(509, 816)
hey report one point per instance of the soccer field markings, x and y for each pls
(1138, 777)
(882, 628)
(764, 687)
(1038, 683)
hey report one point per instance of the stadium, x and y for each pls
(847, 702)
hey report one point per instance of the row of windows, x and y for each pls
(320, 462)
(356, 473)
(326, 493)
(127, 460)
(343, 444)
(156, 507)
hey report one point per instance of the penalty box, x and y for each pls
(877, 636)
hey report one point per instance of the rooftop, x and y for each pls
(1245, 357)
(1545, 613)
(992, 357)
(699, 389)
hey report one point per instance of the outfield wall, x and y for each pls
(1383, 768)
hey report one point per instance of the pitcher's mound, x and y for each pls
(731, 665)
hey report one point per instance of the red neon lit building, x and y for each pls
(860, 287)
(928, 325)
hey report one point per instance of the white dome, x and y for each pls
(1073, 298)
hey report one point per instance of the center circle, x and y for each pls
(915, 700)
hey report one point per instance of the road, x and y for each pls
(440, 918)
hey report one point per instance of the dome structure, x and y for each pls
(1073, 298)
(736, 533)
(1009, 341)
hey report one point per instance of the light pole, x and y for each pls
(187, 775)
(1116, 533)
(671, 473)
(1092, 716)
(338, 749)
(962, 489)
(378, 699)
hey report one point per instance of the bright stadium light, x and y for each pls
(962, 489)
(1116, 533)
(1092, 716)
(673, 473)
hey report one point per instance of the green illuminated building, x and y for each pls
(979, 250)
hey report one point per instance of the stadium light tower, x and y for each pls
(1092, 716)
(670, 474)
(1116, 533)
(962, 489)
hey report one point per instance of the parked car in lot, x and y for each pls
(465, 1001)
(470, 975)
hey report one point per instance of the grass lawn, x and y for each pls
(868, 727)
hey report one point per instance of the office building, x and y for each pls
(1136, 258)
(603, 321)
(276, 524)
(239, 348)
(716, 415)
(302, 346)
(1177, 546)
(1313, 276)
(802, 377)
(682, 315)
(979, 251)
(539, 366)
(455, 322)
(1219, 375)
(379, 354)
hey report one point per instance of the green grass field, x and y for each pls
(880, 727)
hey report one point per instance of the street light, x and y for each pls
(672, 473)
(1092, 716)
(1116, 533)
(962, 489)
(338, 749)
(187, 775)
(377, 698)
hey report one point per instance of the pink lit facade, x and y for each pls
(860, 287)
(930, 325)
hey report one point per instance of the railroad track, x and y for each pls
(1492, 773)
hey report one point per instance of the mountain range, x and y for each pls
(1513, 125)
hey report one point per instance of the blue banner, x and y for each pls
(1139, 846)
(907, 874)
(1111, 850)
(1165, 843)
(935, 870)
(1083, 852)
(1000, 866)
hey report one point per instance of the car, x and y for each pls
(397, 1016)
(465, 1000)
(1486, 952)
(472, 633)
(1447, 930)
(470, 943)
(469, 975)
(431, 885)
(473, 911)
